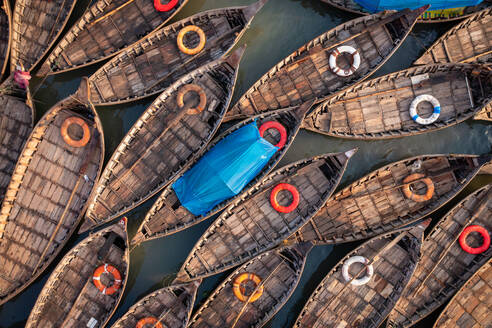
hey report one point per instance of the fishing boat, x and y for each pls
(5, 35)
(254, 292)
(363, 287)
(338, 58)
(106, 28)
(413, 101)
(265, 215)
(152, 64)
(47, 195)
(393, 196)
(167, 307)
(173, 130)
(452, 252)
(169, 215)
(86, 286)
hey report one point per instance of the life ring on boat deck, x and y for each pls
(109, 269)
(413, 196)
(277, 126)
(475, 250)
(188, 29)
(192, 88)
(239, 290)
(295, 198)
(355, 61)
(359, 281)
(435, 114)
(150, 321)
(167, 7)
(85, 129)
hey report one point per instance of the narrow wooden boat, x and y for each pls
(47, 195)
(266, 215)
(168, 215)
(35, 28)
(307, 74)
(382, 108)
(468, 42)
(254, 292)
(106, 28)
(363, 287)
(149, 66)
(445, 265)
(378, 202)
(167, 307)
(87, 285)
(5, 35)
(164, 140)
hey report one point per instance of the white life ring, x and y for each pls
(359, 281)
(355, 61)
(431, 119)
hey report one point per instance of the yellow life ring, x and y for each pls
(199, 47)
(85, 129)
(239, 290)
(192, 88)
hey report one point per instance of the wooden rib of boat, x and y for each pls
(445, 266)
(5, 35)
(306, 73)
(163, 141)
(342, 300)
(48, 192)
(251, 225)
(380, 108)
(279, 271)
(35, 27)
(170, 306)
(168, 215)
(70, 298)
(469, 41)
(152, 64)
(376, 203)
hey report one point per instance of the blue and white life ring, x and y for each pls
(435, 114)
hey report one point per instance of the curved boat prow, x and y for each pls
(253, 9)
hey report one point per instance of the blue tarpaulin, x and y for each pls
(224, 170)
(379, 5)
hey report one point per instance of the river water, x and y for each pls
(279, 29)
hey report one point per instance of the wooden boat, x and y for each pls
(377, 203)
(306, 73)
(106, 28)
(5, 35)
(168, 215)
(70, 297)
(164, 140)
(445, 266)
(468, 42)
(265, 215)
(149, 66)
(363, 287)
(170, 307)
(47, 195)
(277, 273)
(381, 108)
(35, 28)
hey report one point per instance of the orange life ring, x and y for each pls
(192, 88)
(188, 29)
(475, 250)
(277, 126)
(151, 321)
(109, 269)
(295, 195)
(239, 290)
(167, 7)
(85, 128)
(413, 196)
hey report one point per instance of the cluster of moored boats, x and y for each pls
(52, 175)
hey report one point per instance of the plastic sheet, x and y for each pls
(379, 5)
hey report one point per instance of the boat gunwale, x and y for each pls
(8, 13)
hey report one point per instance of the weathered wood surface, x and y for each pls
(376, 204)
(35, 27)
(163, 141)
(485, 114)
(380, 108)
(69, 298)
(5, 35)
(152, 64)
(171, 306)
(306, 73)
(251, 225)
(168, 215)
(337, 302)
(47, 194)
(444, 266)
(279, 270)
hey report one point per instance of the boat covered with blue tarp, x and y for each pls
(379, 5)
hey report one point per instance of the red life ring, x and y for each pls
(295, 195)
(277, 126)
(477, 250)
(167, 7)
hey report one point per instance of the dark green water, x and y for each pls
(279, 29)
